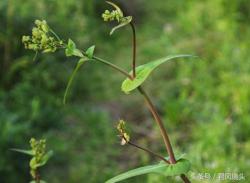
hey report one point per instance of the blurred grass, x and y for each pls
(204, 102)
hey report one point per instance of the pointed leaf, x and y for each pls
(45, 158)
(71, 50)
(182, 166)
(90, 52)
(143, 71)
(28, 152)
(124, 21)
(79, 64)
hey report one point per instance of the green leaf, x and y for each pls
(79, 63)
(34, 164)
(181, 167)
(28, 152)
(124, 21)
(45, 158)
(143, 71)
(90, 52)
(71, 50)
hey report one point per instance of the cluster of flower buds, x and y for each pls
(41, 39)
(116, 14)
(121, 127)
(38, 148)
(113, 15)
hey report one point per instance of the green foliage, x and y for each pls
(71, 50)
(78, 65)
(28, 152)
(207, 101)
(38, 148)
(39, 156)
(90, 52)
(143, 71)
(182, 166)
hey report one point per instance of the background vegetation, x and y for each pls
(205, 103)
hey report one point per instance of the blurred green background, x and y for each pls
(204, 102)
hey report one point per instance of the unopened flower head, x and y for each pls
(121, 127)
(116, 14)
(113, 15)
(38, 147)
(41, 38)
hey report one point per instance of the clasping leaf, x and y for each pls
(181, 167)
(143, 71)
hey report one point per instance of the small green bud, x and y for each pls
(110, 16)
(25, 39)
(38, 22)
(125, 138)
(36, 32)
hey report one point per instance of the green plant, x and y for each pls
(46, 40)
(39, 158)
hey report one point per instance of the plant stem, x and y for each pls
(163, 131)
(37, 177)
(184, 178)
(147, 150)
(160, 124)
(134, 50)
(113, 66)
(152, 109)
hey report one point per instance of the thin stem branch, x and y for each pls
(160, 124)
(134, 51)
(185, 178)
(111, 65)
(37, 176)
(148, 151)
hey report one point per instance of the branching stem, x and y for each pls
(153, 111)
(160, 124)
(111, 65)
(146, 150)
(149, 103)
